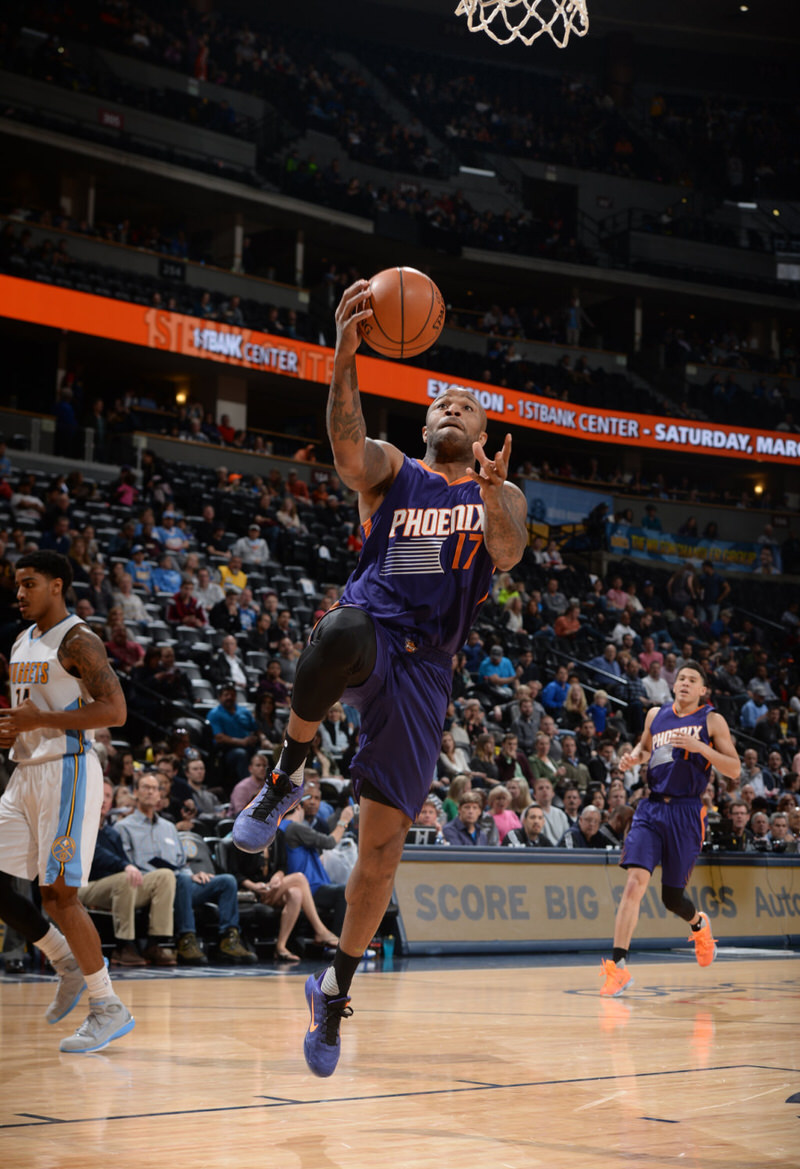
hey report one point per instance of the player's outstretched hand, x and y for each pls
(627, 761)
(491, 473)
(353, 307)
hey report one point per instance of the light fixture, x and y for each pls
(759, 489)
(181, 397)
(775, 212)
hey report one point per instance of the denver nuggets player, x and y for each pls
(61, 687)
(680, 743)
(434, 531)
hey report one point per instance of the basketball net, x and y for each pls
(525, 20)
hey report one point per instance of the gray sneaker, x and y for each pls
(71, 984)
(107, 1019)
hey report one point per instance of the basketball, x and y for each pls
(408, 313)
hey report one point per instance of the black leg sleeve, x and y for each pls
(20, 913)
(676, 901)
(341, 653)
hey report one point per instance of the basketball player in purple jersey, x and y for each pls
(680, 744)
(434, 531)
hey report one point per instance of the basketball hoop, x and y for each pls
(525, 20)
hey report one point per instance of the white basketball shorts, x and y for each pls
(49, 819)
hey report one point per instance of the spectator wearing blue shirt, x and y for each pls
(66, 425)
(117, 884)
(140, 570)
(606, 663)
(754, 709)
(58, 538)
(498, 673)
(166, 577)
(555, 693)
(598, 711)
(473, 651)
(464, 831)
(651, 522)
(170, 536)
(235, 731)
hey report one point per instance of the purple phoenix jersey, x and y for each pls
(671, 772)
(670, 832)
(424, 569)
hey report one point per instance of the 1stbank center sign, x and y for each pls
(461, 900)
(157, 329)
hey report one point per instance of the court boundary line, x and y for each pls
(283, 1102)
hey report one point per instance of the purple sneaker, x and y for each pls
(256, 825)
(322, 1044)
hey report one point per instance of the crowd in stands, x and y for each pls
(521, 113)
(728, 347)
(738, 146)
(51, 261)
(445, 220)
(204, 614)
(165, 239)
(52, 61)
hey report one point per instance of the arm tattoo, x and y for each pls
(506, 530)
(345, 420)
(82, 653)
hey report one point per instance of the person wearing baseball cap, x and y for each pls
(140, 569)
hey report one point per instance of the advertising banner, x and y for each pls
(737, 555)
(555, 505)
(97, 316)
(453, 899)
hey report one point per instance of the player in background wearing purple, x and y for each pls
(434, 531)
(680, 744)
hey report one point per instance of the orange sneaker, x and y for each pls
(705, 948)
(617, 978)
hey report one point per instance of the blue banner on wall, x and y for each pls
(736, 555)
(553, 504)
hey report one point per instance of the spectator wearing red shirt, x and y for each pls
(297, 486)
(184, 608)
(568, 624)
(225, 429)
(125, 652)
(650, 654)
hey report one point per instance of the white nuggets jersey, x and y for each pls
(36, 673)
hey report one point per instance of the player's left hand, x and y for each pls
(491, 473)
(25, 717)
(683, 741)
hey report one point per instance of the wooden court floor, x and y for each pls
(519, 1066)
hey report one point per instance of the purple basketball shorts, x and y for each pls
(670, 835)
(403, 705)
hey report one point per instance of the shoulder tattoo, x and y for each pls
(83, 654)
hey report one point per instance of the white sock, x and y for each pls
(99, 985)
(329, 985)
(54, 946)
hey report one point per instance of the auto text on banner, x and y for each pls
(519, 900)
